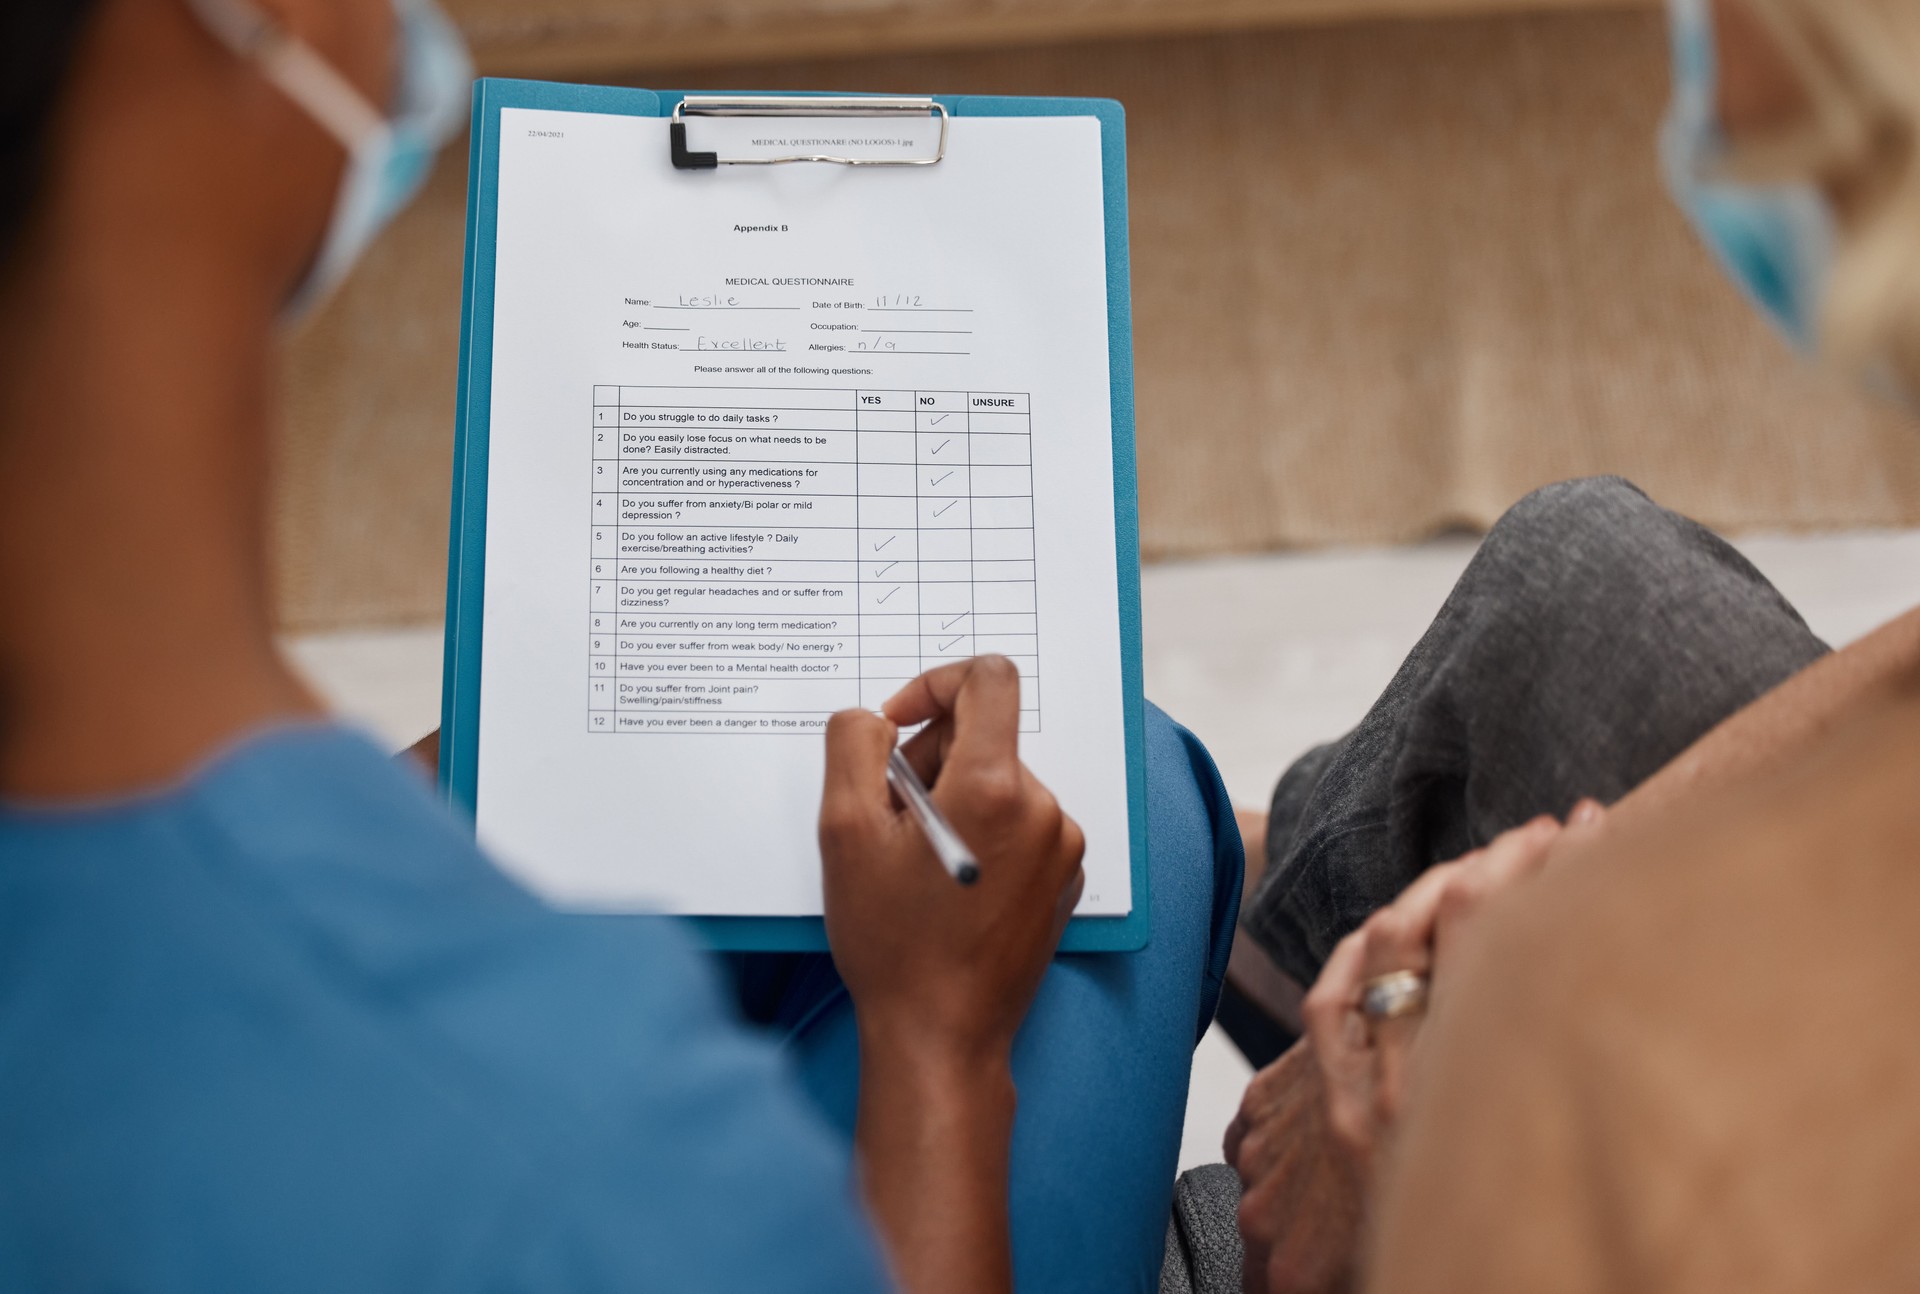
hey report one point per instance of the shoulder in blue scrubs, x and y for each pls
(285, 1028)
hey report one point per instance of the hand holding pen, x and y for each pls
(954, 964)
(941, 974)
(954, 854)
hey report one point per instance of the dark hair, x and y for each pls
(37, 42)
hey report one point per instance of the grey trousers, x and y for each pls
(1593, 638)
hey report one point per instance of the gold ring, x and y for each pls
(1390, 997)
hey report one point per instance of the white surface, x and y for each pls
(1263, 657)
(695, 460)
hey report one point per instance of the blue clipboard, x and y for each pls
(467, 540)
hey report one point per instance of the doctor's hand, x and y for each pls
(945, 969)
(942, 974)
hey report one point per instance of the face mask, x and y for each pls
(387, 159)
(1776, 241)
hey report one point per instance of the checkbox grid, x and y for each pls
(848, 541)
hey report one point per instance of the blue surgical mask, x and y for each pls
(388, 159)
(1777, 241)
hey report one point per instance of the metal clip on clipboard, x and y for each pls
(715, 105)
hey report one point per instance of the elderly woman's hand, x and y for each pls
(1304, 1140)
(1304, 1191)
(1399, 958)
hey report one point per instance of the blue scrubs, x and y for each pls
(284, 1028)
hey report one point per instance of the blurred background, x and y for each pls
(1396, 263)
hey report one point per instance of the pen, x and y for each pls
(954, 854)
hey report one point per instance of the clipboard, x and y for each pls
(468, 532)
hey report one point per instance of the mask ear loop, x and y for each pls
(294, 68)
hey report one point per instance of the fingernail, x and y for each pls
(1586, 813)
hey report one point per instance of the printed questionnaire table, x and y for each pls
(763, 557)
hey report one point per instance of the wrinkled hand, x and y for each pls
(1364, 1063)
(1304, 1190)
(938, 971)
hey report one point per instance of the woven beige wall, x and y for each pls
(1388, 277)
(598, 38)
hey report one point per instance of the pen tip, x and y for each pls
(967, 874)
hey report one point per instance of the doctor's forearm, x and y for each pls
(934, 1139)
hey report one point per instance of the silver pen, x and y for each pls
(954, 854)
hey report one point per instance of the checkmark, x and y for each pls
(935, 422)
(879, 571)
(956, 620)
(934, 481)
(889, 539)
(942, 445)
(890, 592)
(945, 645)
(939, 510)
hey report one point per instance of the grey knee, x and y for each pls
(1585, 560)
(1599, 563)
(1592, 517)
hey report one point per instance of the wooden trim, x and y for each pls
(575, 38)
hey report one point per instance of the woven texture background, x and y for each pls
(1388, 277)
(597, 38)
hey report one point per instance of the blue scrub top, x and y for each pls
(285, 1028)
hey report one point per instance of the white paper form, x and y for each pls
(765, 443)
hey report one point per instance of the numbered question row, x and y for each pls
(694, 508)
(641, 722)
(661, 692)
(726, 424)
(876, 597)
(898, 479)
(932, 449)
(812, 544)
(883, 569)
(797, 629)
(819, 647)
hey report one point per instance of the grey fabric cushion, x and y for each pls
(1203, 1236)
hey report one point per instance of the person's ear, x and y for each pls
(227, 174)
(1760, 92)
(288, 138)
(358, 38)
